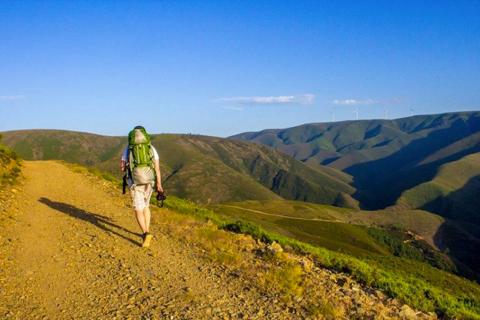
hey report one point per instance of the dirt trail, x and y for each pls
(71, 250)
(282, 216)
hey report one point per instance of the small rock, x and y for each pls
(407, 313)
(379, 294)
(275, 248)
(341, 281)
(306, 264)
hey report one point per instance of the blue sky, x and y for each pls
(224, 67)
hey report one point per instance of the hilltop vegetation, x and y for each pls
(204, 169)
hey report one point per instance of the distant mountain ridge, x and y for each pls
(385, 157)
(200, 168)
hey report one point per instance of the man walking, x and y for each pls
(140, 163)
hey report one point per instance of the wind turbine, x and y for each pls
(411, 110)
(386, 113)
(333, 116)
(356, 112)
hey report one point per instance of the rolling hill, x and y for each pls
(204, 169)
(385, 157)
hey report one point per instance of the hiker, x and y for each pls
(140, 164)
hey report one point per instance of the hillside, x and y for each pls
(412, 234)
(420, 222)
(400, 153)
(454, 189)
(454, 192)
(204, 169)
(91, 266)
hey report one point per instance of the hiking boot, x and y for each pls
(147, 238)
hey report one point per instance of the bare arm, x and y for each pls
(159, 176)
(123, 161)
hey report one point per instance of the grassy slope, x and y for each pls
(329, 234)
(204, 169)
(454, 192)
(454, 189)
(355, 232)
(285, 176)
(397, 153)
(410, 281)
(294, 217)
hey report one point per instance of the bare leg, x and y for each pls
(146, 215)
(146, 221)
(141, 220)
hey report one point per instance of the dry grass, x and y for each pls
(285, 275)
(218, 245)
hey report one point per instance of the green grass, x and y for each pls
(336, 236)
(420, 222)
(427, 226)
(401, 244)
(335, 230)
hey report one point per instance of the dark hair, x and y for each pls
(139, 127)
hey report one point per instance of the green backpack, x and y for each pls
(140, 156)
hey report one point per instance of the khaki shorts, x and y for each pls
(141, 195)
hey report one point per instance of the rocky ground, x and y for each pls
(69, 249)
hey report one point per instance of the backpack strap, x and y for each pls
(131, 160)
(150, 152)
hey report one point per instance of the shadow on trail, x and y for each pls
(97, 220)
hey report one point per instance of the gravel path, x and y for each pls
(71, 250)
